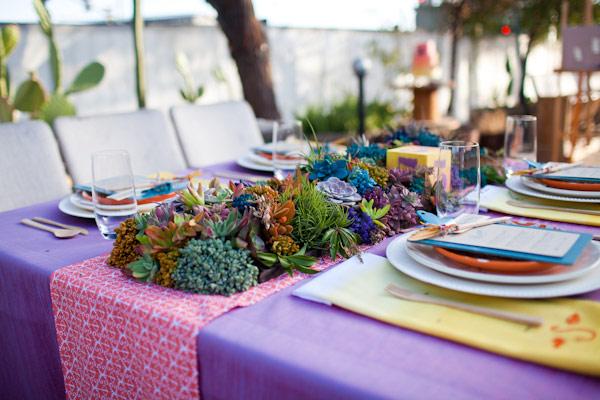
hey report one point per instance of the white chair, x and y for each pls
(216, 133)
(146, 135)
(31, 170)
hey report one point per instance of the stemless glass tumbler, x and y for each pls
(113, 190)
(520, 142)
(458, 179)
(288, 139)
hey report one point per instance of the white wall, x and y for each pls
(309, 65)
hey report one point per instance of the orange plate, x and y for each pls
(495, 265)
(586, 187)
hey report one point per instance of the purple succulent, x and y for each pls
(361, 224)
(338, 191)
(400, 176)
(379, 197)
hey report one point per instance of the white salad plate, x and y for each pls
(535, 185)
(515, 183)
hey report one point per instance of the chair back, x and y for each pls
(145, 134)
(30, 164)
(215, 133)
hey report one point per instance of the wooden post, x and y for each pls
(425, 106)
(550, 129)
(587, 12)
(564, 15)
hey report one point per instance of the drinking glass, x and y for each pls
(113, 190)
(520, 142)
(458, 179)
(288, 138)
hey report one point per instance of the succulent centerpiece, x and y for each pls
(224, 239)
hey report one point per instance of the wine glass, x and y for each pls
(458, 181)
(113, 190)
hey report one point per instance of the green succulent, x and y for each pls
(213, 266)
(342, 241)
(230, 226)
(298, 261)
(192, 196)
(144, 268)
(374, 213)
(315, 216)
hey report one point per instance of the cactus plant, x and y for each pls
(9, 37)
(58, 103)
(189, 92)
(138, 48)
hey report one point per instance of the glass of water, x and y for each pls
(458, 179)
(113, 190)
(520, 142)
(288, 143)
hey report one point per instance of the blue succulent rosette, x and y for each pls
(371, 152)
(328, 167)
(361, 179)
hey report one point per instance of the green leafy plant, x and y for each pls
(341, 116)
(342, 241)
(298, 261)
(190, 92)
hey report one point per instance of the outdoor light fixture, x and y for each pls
(361, 67)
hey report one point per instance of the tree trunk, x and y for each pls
(456, 32)
(250, 51)
(523, 106)
(454, 38)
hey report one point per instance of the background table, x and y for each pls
(282, 347)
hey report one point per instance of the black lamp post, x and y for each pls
(361, 66)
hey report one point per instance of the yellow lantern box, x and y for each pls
(409, 157)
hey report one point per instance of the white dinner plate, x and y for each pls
(247, 162)
(67, 207)
(427, 256)
(515, 184)
(265, 161)
(399, 258)
(540, 187)
(84, 204)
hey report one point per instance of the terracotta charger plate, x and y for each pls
(111, 202)
(494, 264)
(586, 187)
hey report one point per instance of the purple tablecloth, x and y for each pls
(283, 347)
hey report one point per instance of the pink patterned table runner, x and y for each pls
(120, 339)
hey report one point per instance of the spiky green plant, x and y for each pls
(298, 261)
(315, 216)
